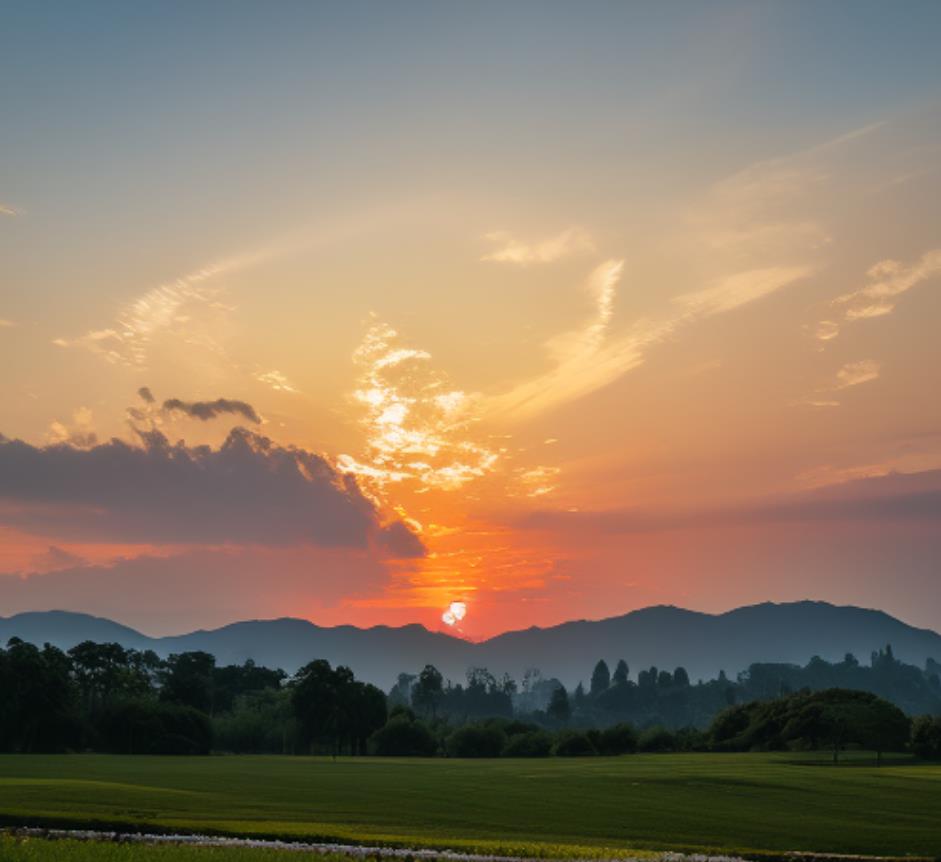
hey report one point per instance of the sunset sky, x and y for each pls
(349, 311)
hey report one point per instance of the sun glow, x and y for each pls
(454, 614)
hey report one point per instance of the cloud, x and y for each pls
(573, 240)
(7, 210)
(276, 380)
(588, 358)
(55, 558)
(146, 395)
(401, 541)
(417, 424)
(248, 491)
(887, 280)
(186, 308)
(79, 433)
(913, 497)
(5, 324)
(855, 373)
(741, 288)
(206, 410)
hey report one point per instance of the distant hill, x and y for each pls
(664, 636)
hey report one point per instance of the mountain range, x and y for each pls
(663, 635)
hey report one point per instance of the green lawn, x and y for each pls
(552, 806)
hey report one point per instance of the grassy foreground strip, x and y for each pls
(750, 804)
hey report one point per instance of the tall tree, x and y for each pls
(621, 672)
(559, 707)
(600, 678)
(188, 680)
(427, 691)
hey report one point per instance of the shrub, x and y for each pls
(656, 739)
(534, 743)
(573, 743)
(152, 727)
(258, 722)
(402, 737)
(476, 740)
(619, 739)
(690, 739)
(926, 737)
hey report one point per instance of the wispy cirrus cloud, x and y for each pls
(847, 376)
(276, 381)
(8, 210)
(509, 249)
(739, 289)
(886, 282)
(755, 232)
(186, 308)
(6, 324)
(855, 373)
(588, 358)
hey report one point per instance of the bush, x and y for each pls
(152, 727)
(476, 740)
(656, 739)
(572, 743)
(258, 723)
(619, 739)
(926, 737)
(534, 743)
(690, 739)
(402, 737)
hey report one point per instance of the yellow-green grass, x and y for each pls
(768, 803)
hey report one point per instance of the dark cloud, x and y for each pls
(910, 497)
(205, 410)
(400, 541)
(146, 394)
(248, 491)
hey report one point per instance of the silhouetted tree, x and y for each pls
(926, 737)
(578, 696)
(188, 679)
(559, 708)
(621, 673)
(600, 678)
(403, 736)
(427, 691)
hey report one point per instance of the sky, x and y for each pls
(480, 316)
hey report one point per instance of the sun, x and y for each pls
(454, 614)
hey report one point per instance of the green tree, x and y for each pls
(187, 679)
(621, 673)
(600, 678)
(427, 691)
(559, 707)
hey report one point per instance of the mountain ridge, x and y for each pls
(661, 635)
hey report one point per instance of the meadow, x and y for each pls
(754, 803)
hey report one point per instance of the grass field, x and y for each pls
(553, 806)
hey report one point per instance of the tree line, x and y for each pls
(105, 697)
